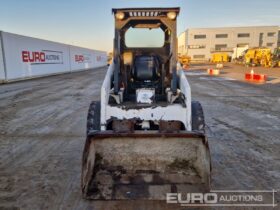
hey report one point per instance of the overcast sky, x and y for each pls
(89, 23)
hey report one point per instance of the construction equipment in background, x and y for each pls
(146, 137)
(258, 57)
(250, 57)
(184, 60)
(265, 57)
(220, 58)
(238, 53)
(241, 58)
(275, 58)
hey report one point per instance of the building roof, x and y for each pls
(234, 27)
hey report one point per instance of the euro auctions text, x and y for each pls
(224, 198)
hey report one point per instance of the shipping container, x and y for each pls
(2, 66)
(100, 58)
(82, 58)
(26, 57)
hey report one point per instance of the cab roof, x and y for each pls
(156, 11)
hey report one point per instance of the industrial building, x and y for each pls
(201, 43)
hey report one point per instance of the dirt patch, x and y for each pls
(43, 129)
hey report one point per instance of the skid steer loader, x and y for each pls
(145, 138)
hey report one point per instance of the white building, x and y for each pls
(200, 43)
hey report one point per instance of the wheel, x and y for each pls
(93, 118)
(198, 123)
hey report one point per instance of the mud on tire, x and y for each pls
(198, 123)
(93, 118)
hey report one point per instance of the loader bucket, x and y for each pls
(144, 165)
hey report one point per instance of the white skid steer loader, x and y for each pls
(145, 138)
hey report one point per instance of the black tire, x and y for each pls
(93, 118)
(198, 123)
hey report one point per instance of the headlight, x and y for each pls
(120, 15)
(171, 15)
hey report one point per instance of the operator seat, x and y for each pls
(145, 68)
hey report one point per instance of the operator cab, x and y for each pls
(145, 53)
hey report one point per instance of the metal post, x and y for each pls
(116, 62)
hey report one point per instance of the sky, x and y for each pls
(90, 23)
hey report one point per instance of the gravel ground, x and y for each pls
(42, 134)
